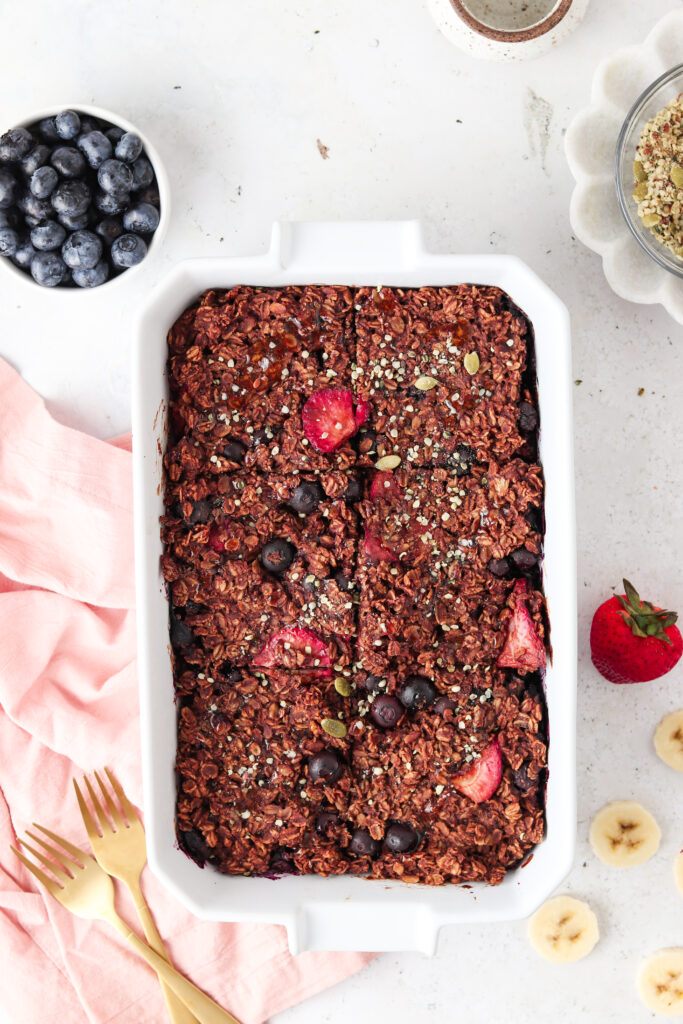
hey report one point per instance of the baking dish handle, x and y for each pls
(313, 247)
(359, 928)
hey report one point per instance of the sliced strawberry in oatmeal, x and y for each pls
(295, 647)
(523, 650)
(362, 413)
(384, 486)
(329, 419)
(216, 538)
(375, 550)
(483, 778)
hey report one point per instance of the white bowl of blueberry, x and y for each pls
(83, 198)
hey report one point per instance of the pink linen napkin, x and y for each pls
(68, 704)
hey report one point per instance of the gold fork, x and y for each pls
(122, 852)
(88, 891)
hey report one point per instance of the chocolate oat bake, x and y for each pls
(352, 537)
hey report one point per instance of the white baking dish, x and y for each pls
(344, 912)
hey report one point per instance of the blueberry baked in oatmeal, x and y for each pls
(353, 536)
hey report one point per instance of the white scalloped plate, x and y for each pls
(590, 146)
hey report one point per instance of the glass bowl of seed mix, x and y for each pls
(649, 170)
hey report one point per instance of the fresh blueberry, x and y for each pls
(114, 134)
(43, 182)
(524, 560)
(277, 555)
(386, 711)
(71, 198)
(143, 218)
(401, 838)
(68, 161)
(417, 693)
(528, 417)
(325, 820)
(48, 269)
(35, 158)
(68, 124)
(31, 206)
(234, 450)
(10, 218)
(8, 189)
(9, 241)
(444, 704)
(143, 173)
(112, 203)
(363, 845)
(499, 567)
(109, 229)
(48, 129)
(306, 497)
(14, 145)
(88, 124)
(24, 255)
(327, 766)
(115, 176)
(73, 223)
(129, 147)
(48, 236)
(96, 148)
(150, 195)
(82, 250)
(128, 251)
(91, 278)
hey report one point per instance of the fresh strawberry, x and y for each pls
(329, 419)
(375, 550)
(302, 641)
(632, 640)
(384, 486)
(523, 649)
(483, 778)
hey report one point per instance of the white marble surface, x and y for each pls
(414, 128)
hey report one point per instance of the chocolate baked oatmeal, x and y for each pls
(353, 532)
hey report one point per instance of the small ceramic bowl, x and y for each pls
(620, 82)
(162, 183)
(507, 29)
(649, 103)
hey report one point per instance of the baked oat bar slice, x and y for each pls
(243, 366)
(261, 568)
(484, 518)
(443, 372)
(256, 759)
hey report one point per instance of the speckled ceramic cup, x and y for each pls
(507, 29)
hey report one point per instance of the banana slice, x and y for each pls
(624, 834)
(669, 740)
(678, 872)
(563, 930)
(660, 982)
